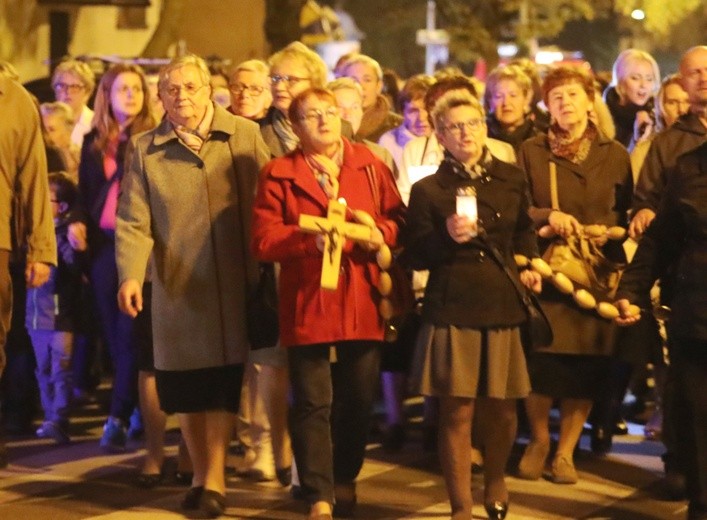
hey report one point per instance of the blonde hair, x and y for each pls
(624, 60)
(58, 108)
(79, 69)
(346, 83)
(362, 59)
(509, 73)
(316, 68)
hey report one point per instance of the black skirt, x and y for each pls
(569, 376)
(201, 390)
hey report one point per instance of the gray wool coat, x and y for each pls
(192, 212)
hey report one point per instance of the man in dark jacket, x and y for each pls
(674, 248)
(687, 133)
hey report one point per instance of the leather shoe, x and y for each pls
(148, 480)
(496, 510)
(344, 500)
(212, 503)
(600, 441)
(621, 428)
(192, 498)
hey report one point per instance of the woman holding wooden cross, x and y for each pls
(329, 315)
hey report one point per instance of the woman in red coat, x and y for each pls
(331, 399)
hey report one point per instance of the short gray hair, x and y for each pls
(367, 61)
(346, 83)
(183, 61)
(454, 99)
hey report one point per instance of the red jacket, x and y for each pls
(308, 314)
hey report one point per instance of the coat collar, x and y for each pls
(597, 154)
(294, 167)
(448, 177)
(223, 122)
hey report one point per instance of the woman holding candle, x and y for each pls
(469, 349)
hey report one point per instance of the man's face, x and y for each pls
(693, 74)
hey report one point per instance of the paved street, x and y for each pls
(78, 481)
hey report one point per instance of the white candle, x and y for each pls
(466, 206)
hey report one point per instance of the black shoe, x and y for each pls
(344, 500)
(192, 498)
(600, 441)
(673, 485)
(148, 480)
(284, 476)
(394, 438)
(696, 511)
(183, 478)
(496, 510)
(621, 428)
(212, 503)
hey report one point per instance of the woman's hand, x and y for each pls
(460, 228)
(76, 235)
(564, 224)
(642, 126)
(627, 313)
(640, 222)
(532, 280)
(375, 242)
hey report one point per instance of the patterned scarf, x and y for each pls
(327, 170)
(562, 144)
(194, 139)
(283, 130)
(475, 171)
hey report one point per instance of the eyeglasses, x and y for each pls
(71, 88)
(240, 88)
(457, 128)
(189, 88)
(314, 116)
(288, 80)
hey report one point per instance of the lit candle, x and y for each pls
(466, 206)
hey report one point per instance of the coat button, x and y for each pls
(482, 256)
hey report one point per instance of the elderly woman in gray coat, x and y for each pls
(186, 198)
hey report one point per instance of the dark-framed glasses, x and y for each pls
(240, 88)
(287, 80)
(71, 88)
(315, 115)
(456, 129)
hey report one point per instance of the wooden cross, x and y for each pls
(335, 230)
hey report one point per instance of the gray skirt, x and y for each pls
(465, 362)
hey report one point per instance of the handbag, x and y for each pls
(537, 331)
(580, 257)
(261, 310)
(401, 295)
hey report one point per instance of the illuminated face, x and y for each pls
(69, 88)
(693, 71)
(415, 118)
(569, 105)
(368, 79)
(250, 94)
(463, 134)
(638, 83)
(508, 103)
(185, 96)
(58, 131)
(288, 79)
(127, 96)
(674, 104)
(318, 125)
(348, 101)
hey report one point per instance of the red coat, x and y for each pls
(309, 314)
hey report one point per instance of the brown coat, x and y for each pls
(597, 191)
(193, 212)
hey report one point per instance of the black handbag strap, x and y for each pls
(498, 257)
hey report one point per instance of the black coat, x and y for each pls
(467, 288)
(674, 248)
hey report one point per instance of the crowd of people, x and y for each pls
(145, 225)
